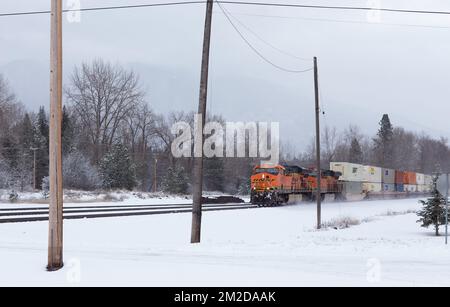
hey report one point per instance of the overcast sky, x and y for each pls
(400, 66)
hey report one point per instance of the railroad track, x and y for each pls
(37, 214)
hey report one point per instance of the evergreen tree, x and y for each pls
(117, 169)
(26, 133)
(67, 132)
(176, 180)
(10, 151)
(43, 127)
(356, 153)
(433, 212)
(214, 174)
(41, 141)
(10, 163)
(383, 142)
(25, 156)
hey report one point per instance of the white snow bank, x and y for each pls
(259, 247)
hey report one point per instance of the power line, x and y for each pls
(327, 7)
(105, 8)
(266, 42)
(256, 50)
(343, 21)
(267, 4)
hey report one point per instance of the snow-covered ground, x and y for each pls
(256, 247)
(72, 196)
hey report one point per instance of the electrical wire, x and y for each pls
(266, 42)
(344, 21)
(105, 8)
(256, 50)
(328, 7)
(267, 4)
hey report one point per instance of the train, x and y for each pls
(275, 185)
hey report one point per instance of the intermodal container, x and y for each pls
(422, 188)
(410, 178)
(350, 171)
(352, 187)
(399, 176)
(399, 187)
(388, 187)
(427, 188)
(372, 187)
(388, 176)
(420, 179)
(372, 174)
(410, 187)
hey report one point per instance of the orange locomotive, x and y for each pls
(274, 185)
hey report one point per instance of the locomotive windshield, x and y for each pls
(272, 171)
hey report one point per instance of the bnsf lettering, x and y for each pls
(263, 180)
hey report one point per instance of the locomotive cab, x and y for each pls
(267, 184)
(267, 178)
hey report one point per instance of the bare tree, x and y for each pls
(405, 153)
(330, 143)
(102, 96)
(138, 131)
(11, 111)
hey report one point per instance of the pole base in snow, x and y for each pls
(54, 268)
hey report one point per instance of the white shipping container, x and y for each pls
(350, 171)
(428, 180)
(372, 187)
(420, 179)
(410, 188)
(372, 174)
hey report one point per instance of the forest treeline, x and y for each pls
(112, 139)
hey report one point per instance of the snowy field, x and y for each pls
(83, 197)
(255, 247)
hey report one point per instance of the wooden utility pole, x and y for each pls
(55, 247)
(319, 174)
(446, 207)
(198, 161)
(155, 173)
(34, 167)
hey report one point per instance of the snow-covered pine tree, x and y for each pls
(46, 187)
(117, 169)
(433, 211)
(176, 180)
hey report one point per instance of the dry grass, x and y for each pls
(341, 223)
